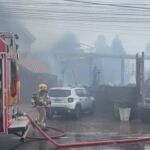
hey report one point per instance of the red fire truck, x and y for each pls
(10, 86)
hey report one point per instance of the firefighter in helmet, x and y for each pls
(42, 104)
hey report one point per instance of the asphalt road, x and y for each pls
(88, 128)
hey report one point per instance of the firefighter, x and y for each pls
(42, 103)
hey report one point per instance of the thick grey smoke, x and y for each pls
(64, 60)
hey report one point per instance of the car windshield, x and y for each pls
(59, 93)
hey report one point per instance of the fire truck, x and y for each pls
(10, 122)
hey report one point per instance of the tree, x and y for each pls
(117, 47)
(101, 46)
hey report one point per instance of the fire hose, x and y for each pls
(84, 144)
(61, 134)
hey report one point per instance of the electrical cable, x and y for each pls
(109, 4)
(23, 11)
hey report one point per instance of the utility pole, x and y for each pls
(90, 69)
(140, 77)
(122, 70)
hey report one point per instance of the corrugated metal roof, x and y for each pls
(34, 65)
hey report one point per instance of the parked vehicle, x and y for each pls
(68, 100)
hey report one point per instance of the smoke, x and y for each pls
(62, 59)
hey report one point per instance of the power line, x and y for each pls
(108, 4)
(107, 29)
(27, 11)
(70, 15)
(97, 15)
(40, 11)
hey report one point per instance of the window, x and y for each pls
(59, 93)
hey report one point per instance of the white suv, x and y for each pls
(66, 100)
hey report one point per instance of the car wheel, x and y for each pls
(77, 112)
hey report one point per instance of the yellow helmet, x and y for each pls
(42, 86)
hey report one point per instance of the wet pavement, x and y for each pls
(88, 128)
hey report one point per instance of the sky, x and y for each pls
(47, 19)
